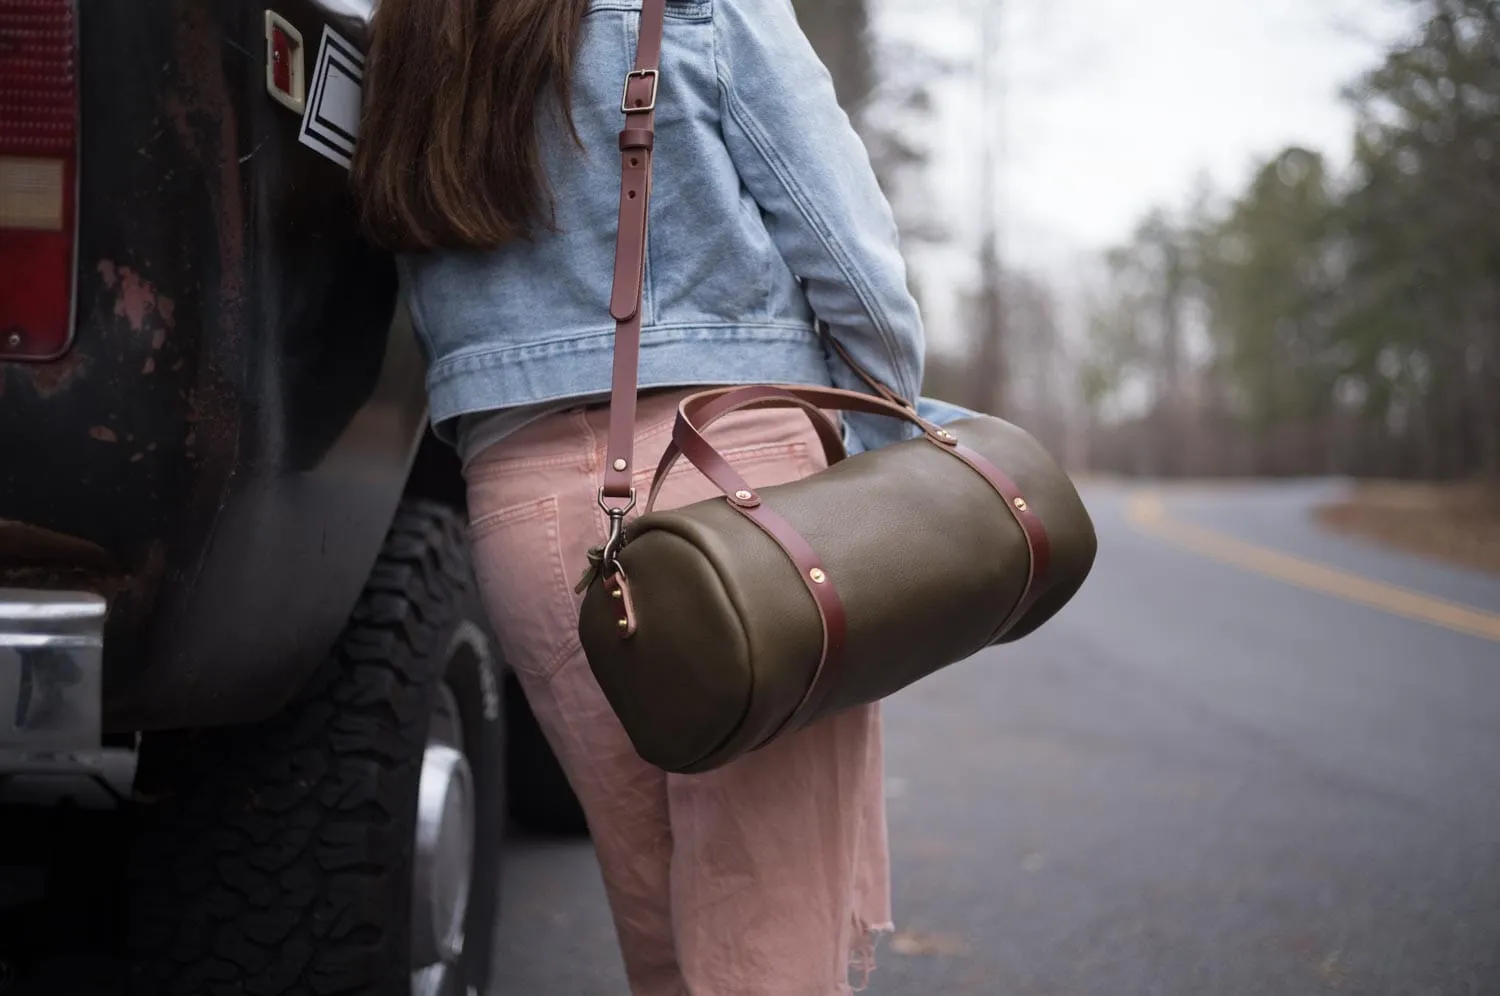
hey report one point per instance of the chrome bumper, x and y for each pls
(51, 675)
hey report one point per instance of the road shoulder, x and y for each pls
(1458, 524)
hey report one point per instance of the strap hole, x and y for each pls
(634, 161)
(630, 194)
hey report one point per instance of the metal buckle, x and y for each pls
(654, 76)
(608, 558)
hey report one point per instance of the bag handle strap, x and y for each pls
(701, 410)
(721, 405)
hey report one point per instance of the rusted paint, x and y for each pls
(137, 300)
(200, 110)
(201, 95)
(48, 379)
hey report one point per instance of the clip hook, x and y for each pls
(616, 541)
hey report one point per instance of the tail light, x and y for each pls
(38, 176)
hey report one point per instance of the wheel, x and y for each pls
(352, 843)
(541, 800)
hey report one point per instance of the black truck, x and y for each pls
(255, 734)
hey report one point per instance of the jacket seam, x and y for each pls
(580, 340)
(862, 289)
(677, 10)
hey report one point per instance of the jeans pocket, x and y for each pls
(518, 561)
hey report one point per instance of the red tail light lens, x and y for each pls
(38, 176)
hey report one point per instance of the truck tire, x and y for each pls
(357, 836)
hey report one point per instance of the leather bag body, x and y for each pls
(715, 628)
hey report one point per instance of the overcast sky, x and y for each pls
(1113, 106)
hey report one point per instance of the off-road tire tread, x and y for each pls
(275, 859)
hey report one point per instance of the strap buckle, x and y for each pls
(654, 76)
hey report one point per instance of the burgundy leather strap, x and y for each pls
(618, 586)
(864, 375)
(825, 596)
(830, 398)
(1037, 542)
(637, 139)
(715, 409)
(809, 566)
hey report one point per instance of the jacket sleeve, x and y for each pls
(801, 160)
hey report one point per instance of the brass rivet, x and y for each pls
(944, 434)
(621, 464)
(1021, 504)
(623, 624)
(743, 495)
(616, 593)
(817, 575)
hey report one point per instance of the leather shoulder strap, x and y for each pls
(637, 139)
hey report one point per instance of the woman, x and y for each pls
(488, 161)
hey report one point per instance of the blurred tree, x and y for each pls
(1425, 249)
(1350, 323)
(1266, 272)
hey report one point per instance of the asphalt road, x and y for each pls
(1251, 758)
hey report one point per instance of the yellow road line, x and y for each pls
(1146, 513)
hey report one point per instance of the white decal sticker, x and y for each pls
(333, 99)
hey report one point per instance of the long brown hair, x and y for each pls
(454, 90)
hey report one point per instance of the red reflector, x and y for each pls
(281, 61)
(284, 73)
(38, 171)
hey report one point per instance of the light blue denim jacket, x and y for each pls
(765, 215)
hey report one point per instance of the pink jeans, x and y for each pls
(767, 877)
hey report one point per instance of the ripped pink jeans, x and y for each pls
(767, 877)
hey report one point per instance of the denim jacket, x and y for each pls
(765, 217)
